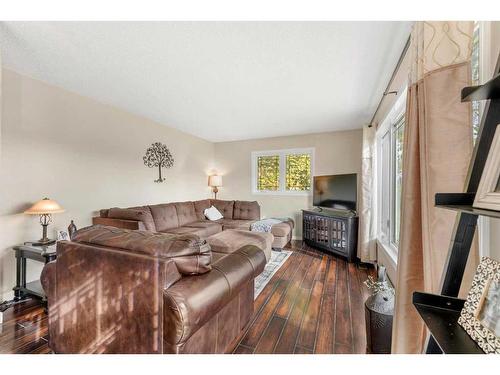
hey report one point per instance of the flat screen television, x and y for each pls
(336, 191)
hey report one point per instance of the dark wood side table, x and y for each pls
(44, 254)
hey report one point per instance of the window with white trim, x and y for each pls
(282, 171)
(390, 136)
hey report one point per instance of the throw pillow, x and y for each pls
(213, 213)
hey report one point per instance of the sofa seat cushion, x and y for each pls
(210, 227)
(229, 241)
(191, 255)
(225, 207)
(165, 216)
(199, 232)
(282, 229)
(244, 210)
(217, 256)
(142, 214)
(186, 213)
(235, 224)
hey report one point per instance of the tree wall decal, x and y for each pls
(158, 155)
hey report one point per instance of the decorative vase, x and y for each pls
(71, 229)
(379, 311)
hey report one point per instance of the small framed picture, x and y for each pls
(62, 235)
(489, 308)
(488, 191)
(480, 316)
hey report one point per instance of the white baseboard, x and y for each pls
(7, 296)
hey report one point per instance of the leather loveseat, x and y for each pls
(188, 217)
(114, 290)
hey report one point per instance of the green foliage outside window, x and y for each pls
(268, 173)
(298, 172)
(296, 175)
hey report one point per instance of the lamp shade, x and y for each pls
(214, 181)
(45, 206)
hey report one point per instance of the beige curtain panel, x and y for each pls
(437, 151)
(367, 249)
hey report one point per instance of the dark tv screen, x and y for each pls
(336, 191)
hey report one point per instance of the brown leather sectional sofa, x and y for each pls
(188, 217)
(115, 290)
(158, 279)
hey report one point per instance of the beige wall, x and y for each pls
(399, 82)
(85, 155)
(335, 152)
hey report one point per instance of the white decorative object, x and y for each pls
(63, 235)
(480, 316)
(488, 192)
(213, 213)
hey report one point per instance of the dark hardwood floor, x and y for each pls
(313, 304)
(24, 329)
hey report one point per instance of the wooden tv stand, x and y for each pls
(335, 231)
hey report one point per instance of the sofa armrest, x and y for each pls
(119, 223)
(192, 301)
(48, 281)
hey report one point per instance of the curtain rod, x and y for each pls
(386, 92)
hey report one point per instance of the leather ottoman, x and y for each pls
(228, 241)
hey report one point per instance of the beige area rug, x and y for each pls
(278, 258)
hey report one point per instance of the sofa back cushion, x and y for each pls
(186, 213)
(191, 255)
(245, 210)
(104, 212)
(136, 213)
(224, 207)
(164, 216)
(200, 207)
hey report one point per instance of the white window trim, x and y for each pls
(397, 111)
(484, 75)
(282, 154)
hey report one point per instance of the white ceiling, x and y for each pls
(218, 80)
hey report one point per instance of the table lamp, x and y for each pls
(215, 181)
(45, 208)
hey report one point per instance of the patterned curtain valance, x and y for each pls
(436, 44)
